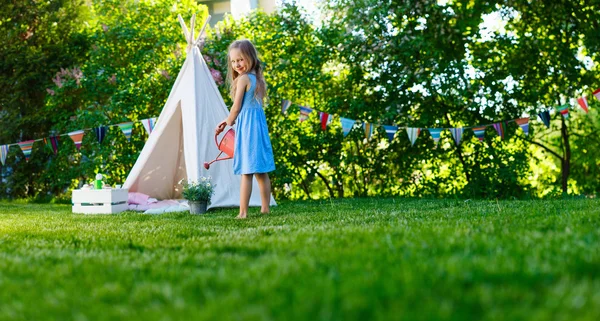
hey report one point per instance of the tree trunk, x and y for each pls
(331, 194)
(566, 161)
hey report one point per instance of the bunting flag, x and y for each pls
(325, 120)
(545, 117)
(100, 133)
(457, 133)
(52, 142)
(368, 129)
(126, 129)
(285, 104)
(304, 111)
(500, 129)
(4, 153)
(27, 147)
(390, 131)
(149, 124)
(583, 103)
(564, 110)
(524, 124)
(77, 137)
(435, 134)
(413, 133)
(597, 93)
(347, 125)
(479, 132)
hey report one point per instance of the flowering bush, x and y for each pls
(198, 191)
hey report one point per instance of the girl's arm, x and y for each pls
(242, 83)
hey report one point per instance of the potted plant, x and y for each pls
(198, 194)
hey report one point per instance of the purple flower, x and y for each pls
(50, 91)
(216, 76)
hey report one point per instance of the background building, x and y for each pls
(237, 8)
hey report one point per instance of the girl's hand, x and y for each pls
(220, 128)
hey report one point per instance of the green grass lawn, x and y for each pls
(362, 259)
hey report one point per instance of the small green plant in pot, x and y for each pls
(198, 194)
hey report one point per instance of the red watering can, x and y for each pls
(226, 146)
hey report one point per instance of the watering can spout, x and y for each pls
(226, 146)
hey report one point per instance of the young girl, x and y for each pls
(253, 154)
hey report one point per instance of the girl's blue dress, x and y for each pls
(253, 152)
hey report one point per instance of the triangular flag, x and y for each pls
(3, 153)
(347, 125)
(77, 137)
(583, 103)
(149, 124)
(597, 93)
(479, 132)
(304, 111)
(564, 110)
(285, 104)
(457, 134)
(413, 133)
(545, 117)
(368, 129)
(52, 142)
(435, 134)
(500, 129)
(390, 131)
(100, 133)
(325, 120)
(126, 129)
(27, 147)
(524, 124)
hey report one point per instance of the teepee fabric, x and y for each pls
(184, 138)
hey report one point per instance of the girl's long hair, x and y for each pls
(251, 57)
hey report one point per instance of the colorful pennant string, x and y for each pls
(149, 124)
(77, 137)
(100, 133)
(285, 104)
(325, 119)
(413, 133)
(457, 133)
(126, 128)
(27, 147)
(435, 134)
(545, 117)
(390, 131)
(4, 153)
(583, 103)
(479, 132)
(347, 125)
(524, 124)
(564, 110)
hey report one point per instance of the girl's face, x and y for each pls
(238, 62)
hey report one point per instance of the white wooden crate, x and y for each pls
(100, 201)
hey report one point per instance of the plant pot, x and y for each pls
(198, 207)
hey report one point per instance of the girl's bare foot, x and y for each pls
(241, 216)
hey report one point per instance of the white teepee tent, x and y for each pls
(183, 138)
